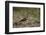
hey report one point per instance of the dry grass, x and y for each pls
(31, 15)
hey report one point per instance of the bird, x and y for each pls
(24, 19)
